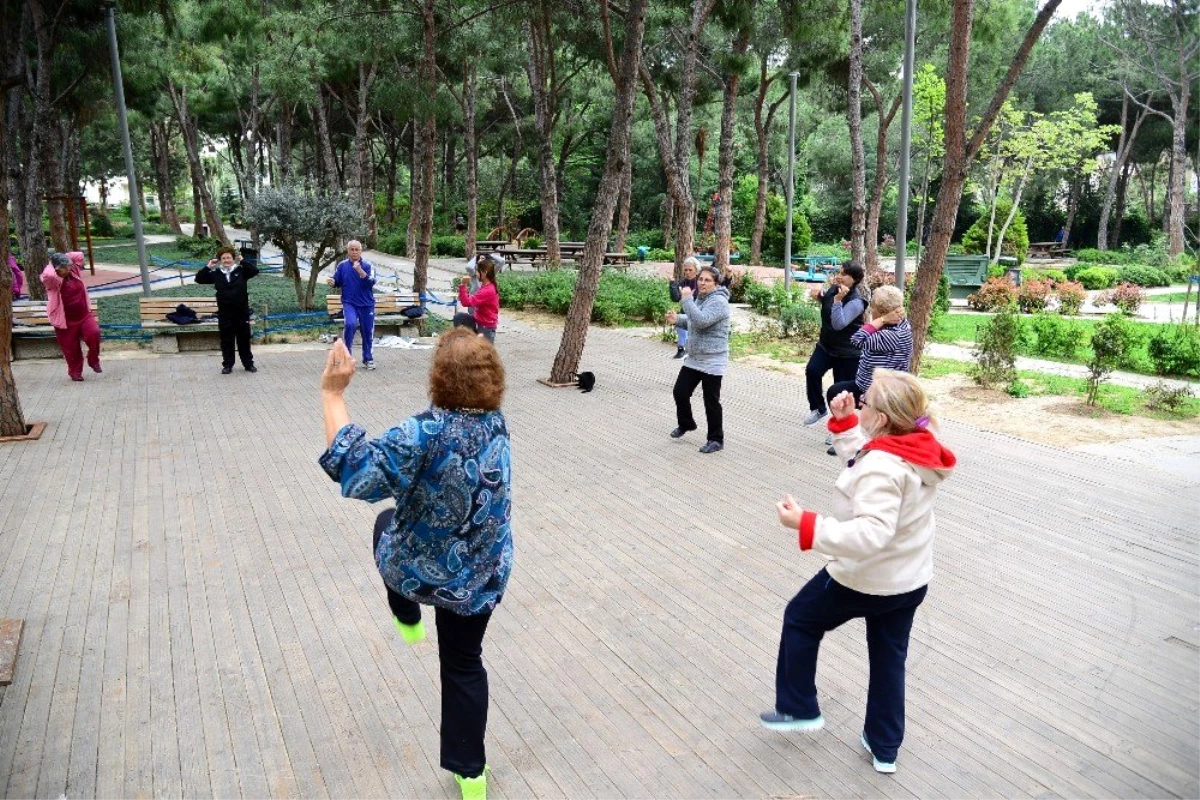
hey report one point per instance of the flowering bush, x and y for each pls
(996, 293)
(1126, 297)
(1070, 297)
(1032, 295)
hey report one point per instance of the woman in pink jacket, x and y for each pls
(70, 312)
(485, 301)
(18, 277)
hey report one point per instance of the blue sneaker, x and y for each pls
(774, 721)
(886, 767)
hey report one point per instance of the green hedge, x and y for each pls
(620, 298)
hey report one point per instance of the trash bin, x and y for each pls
(643, 251)
(1012, 269)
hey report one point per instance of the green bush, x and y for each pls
(1016, 238)
(535, 241)
(652, 239)
(1142, 275)
(802, 320)
(101, 225)
(620, 297)
(393, 242)
(1093, 256)
(1055, 275)
(659, 254)
(1175, 350)
(745, 195)
(197, 245)
(997, 343)
(1112, 341)
(1097, 277)
(1055, 336)
(448, 246)
(1180, 268)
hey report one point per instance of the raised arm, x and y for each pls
(701, 317)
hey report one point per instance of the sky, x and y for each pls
(1072, 8)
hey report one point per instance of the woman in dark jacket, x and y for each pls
(843, 304)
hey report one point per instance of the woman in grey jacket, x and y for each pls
(706, 318)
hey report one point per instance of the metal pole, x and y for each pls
(791, 186)
(135, 213)
(910, 32)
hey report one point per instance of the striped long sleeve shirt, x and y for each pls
(889, 347)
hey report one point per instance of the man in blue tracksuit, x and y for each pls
(356, 278)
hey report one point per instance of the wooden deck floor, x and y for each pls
(202, 616)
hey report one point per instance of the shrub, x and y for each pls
(1096, 277)
(1161, 397)
(1055, 337)
(996, 345)
(535, 241)
(1052, 275)
(102, 225)
(1070, 297)
(801, 320)
(394, 242)
(660, 254)
(1112, 340)
(448, 246)
(619, 297)
(1126, 297)
(1093, 256)
(1180, 268)
(197, 245)
(1142, 275)
(1016, 238)
(995, 293)
(1032, 295)
(1175, 350)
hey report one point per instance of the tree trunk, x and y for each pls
(1018, 190)
(858, 163)
(415, 176)
(1124, 148)
(541, 73)
(724, 218)
(875, 209)
(959, 154)
(1122, 193)
(472, 146)
(668, 220)
(1179, 163)
(12, 420)
(52, 144)
(283, 139)
(623, 200)
(329, 168)
(192, 146)
(160, 150)
(761, 130)
(427, 131)
(361, 172)
(1073, 202)
(579, 314)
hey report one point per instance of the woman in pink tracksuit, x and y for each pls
(69, 310)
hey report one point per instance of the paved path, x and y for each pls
(203, 617)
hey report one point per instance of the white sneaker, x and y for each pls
(814, 417)
(829, 439)
(886, 767)
(370, 365)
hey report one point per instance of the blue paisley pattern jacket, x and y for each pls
(450, 472)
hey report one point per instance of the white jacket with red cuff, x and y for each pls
(879, 534)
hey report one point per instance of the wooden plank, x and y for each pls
(10, 645)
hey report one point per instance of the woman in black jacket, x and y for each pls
(233, 306)
(843, 305)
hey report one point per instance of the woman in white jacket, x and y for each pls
(879, 541)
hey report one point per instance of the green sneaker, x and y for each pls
(473, 788)
(411, 633)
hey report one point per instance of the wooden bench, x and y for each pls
(169, 337)
(32, 333)
(10, 643)
(388, 319)
(1047, 250)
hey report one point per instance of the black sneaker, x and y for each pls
(711, 447)
(680, 353)
(251, 368)
(226, 370)
(678, 432)
(831, 451)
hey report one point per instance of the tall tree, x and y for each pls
(1125, 143)
(12, 420)
(542, 69)
(579, 314)
(858, 164)
(960, 152)
(724, 217)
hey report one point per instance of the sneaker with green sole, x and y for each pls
(473, 788)
(411, 633)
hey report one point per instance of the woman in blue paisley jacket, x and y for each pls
(448, 542)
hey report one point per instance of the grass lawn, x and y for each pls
(127, 253)
(1173, 297)
(1125, 400)
(278, 294)
(960, 329)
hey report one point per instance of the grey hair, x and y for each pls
(60, 260)
(695, 262)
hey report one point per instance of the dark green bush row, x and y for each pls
(619, 298)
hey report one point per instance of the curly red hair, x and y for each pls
(466, 372)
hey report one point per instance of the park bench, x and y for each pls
(169, 337)
(10, 643)
(965, 274)
(1047, 250)
(388, 308)
(32, 333)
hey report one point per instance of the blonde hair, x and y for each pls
(885, 299)
(899, 396)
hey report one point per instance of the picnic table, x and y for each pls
(491, 244)
(1047, 249)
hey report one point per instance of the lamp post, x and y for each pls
(135, 214)
(791, 185)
